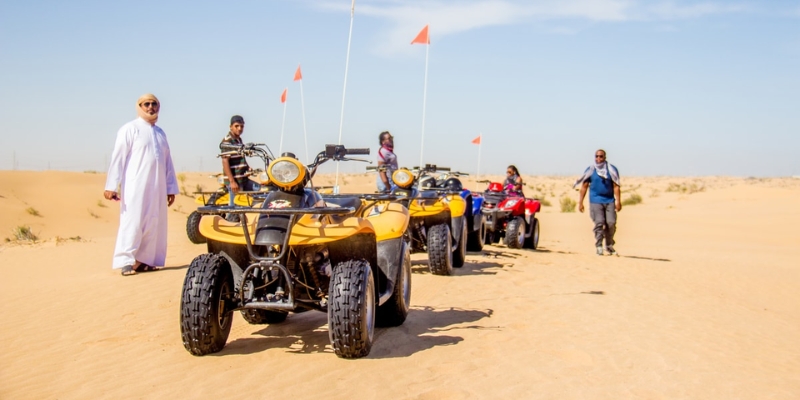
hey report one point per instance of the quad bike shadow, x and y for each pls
(425, 329)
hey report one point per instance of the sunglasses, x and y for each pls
(150, 103)
(596, 156)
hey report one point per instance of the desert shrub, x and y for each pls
(182, 179)
(567, 204)
(93, 214)
(545, 202)
(24, 233)
(655, 193)
(91, 171)
(33, 211)
(633, 199)
(101, 204)
(60, 239)
(198, 188)
(685, 188)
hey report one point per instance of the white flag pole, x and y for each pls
(478, 173)
(283, 123)
(424, 100)
(344, 89)
(303, 110)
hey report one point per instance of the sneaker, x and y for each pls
(611, 251)
(599, 251)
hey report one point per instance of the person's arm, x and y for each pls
(584, 187)
(617, 198)
(382, 175)
(116, 168)
(518, 184)
(226, 168)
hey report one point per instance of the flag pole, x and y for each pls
(283, 123)
(303, 110)
(424, 100)
(478, 173)
(344, 89)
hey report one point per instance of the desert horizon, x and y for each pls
(701, 302)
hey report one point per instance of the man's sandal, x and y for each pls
(128, 270)
(147, 268)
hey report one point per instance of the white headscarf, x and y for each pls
(151, 119)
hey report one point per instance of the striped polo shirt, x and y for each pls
(238, 164)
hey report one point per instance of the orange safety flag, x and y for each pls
(297, 74)
(477, 140)
(283, 95)
(422, 37)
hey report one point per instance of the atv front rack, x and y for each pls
(270, 263)
(293, 214)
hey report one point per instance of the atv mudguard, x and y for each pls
(532, 206)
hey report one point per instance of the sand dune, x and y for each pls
(703, 302)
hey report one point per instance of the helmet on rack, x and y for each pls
(453, 184)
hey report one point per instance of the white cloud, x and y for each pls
(448, 17)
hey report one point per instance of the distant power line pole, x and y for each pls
(14, 161)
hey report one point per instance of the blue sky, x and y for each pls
(666, 87)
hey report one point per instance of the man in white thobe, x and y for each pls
(142, 168)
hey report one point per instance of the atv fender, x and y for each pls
(457, 205)
(455, 228)
(390, 260)
(532, 206)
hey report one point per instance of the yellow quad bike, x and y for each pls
(293, 252)
(438, 223)
(219, 197)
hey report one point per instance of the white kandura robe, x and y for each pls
(142, 166)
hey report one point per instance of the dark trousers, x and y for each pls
(246, 186)
(604, 217)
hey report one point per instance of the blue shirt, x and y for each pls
(601, 190)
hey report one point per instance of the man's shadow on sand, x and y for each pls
(307, 333)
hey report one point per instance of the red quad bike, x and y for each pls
(510, 215)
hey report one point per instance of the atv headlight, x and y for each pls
(286, 172)
(403, 178)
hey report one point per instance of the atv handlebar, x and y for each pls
(361, 151)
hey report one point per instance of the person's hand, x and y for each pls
(170, 199)
(580, 207)
(618, 205)
(110, 195)
(234, 187)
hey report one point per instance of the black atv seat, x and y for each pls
(349, 201)
(494, 198)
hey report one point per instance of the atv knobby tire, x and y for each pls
(395, 310)
(515, 233)
(476, 238)
(351, 309)
(261, 317)
(193, 228)
(440, 256)
(460, 253)
(208, 286)
(532, 241)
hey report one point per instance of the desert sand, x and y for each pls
(703, 302)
